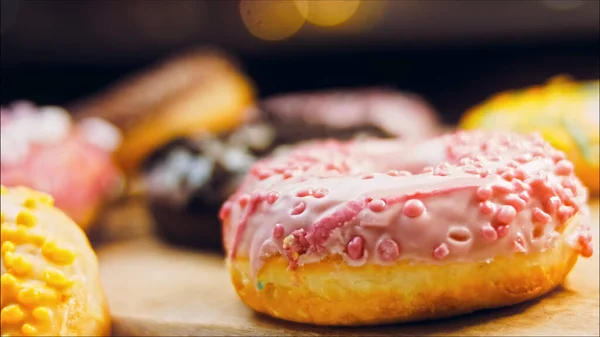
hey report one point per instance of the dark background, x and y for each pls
(454, 53)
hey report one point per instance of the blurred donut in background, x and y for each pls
(192, 130)
(565, 112)
(44, 149)
(188, 180)
(198, 90)
(341, 114)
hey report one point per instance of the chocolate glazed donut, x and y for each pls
(187, 180)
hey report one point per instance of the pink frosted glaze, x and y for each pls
(43, 149)
(467, 196)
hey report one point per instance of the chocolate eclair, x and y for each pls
(187, 180)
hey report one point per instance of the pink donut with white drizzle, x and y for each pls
(44, 149)
(490, 205)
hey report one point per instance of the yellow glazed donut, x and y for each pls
(564, 111)
(50, 280)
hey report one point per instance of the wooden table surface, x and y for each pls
(155, 289)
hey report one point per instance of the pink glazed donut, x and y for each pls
(42, 148)
(380, 231)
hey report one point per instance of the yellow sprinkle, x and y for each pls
(56, 278)
(8, 280)
(29, 330)
(46, 198)
(288, 241)
(58, 255)
(42, 313)
(36, 296)
(3, 190)
(12, 314)
(74, 284)
(49, 248)
(26, 218)
(7, 246)
(36, 239)
(295, 255)
(21, 235)
(30, 203)
(19, 264)
(8, 257)
(9, 234)
(29, 295)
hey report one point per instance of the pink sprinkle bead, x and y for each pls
(272, 197)
(539, 216)
(377, 205)
(441, 251)
(388, 250)
(564, 168)
(299, 208)
(506, 214)
(413, 208)
(320, 193)
(489, 233)
(278, 231)
(516, 202)
(484, 193)
(355, 248)
(487, 207)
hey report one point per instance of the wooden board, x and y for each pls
(154, 289)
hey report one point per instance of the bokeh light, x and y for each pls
(368, 15)
(328, 13)
(273, 19)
